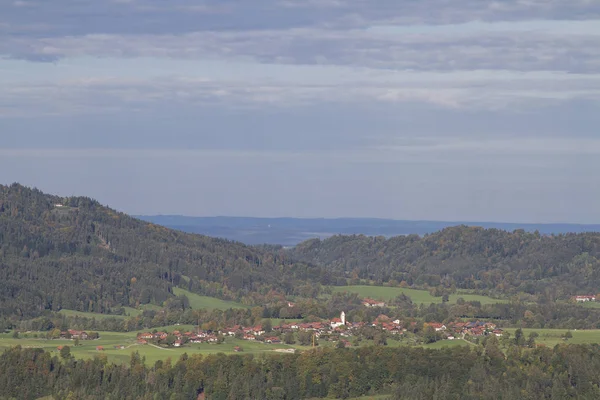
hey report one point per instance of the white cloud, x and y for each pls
(484, 91)
(379, 49)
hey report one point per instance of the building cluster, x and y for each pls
(179, 337)
(462, 329)
(334, 328)
(584, 298)
(74, 334)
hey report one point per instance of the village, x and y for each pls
(335, 330)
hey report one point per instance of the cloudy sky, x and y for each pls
(436, 109)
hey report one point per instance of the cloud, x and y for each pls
(521, 51)
(67, 17)
(477, 91)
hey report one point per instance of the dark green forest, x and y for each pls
(75, 253)
(489, 260)
(479, 372)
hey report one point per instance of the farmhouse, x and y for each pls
(581, 299)
(437, 326)
(373, 303)
(78, 334)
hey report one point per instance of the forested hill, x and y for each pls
(74, 253)
(466, 257)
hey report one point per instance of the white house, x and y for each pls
(580, 299)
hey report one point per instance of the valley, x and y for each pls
(85, 288)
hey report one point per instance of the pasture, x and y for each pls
(552, 337)
(387, 293)
(110, 340)
(211, 303)
(129, 312)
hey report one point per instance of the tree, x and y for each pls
(519, 339)
(567, 335)
(531, 339)
(267, 325)
(380, 339)
(430, 335)
(15, 334)
(170, 339)
(305, 338)
(65, 352)
(288, 338)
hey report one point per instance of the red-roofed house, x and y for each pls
(373, 303)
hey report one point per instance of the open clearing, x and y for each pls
(552, 337)
(108, 340)
(196, 302)
(129, 312)
(210, 303)
(417, 296)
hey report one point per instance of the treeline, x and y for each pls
(489, 260)
(476, 372)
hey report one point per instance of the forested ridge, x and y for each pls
(75, 253)
(493, 260)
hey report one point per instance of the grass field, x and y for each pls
(129, 312)
(211, 303)
(108, 340)
(591, 304)
(73, 313)
(418, 296)
(552, 337)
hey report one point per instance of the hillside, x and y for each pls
(74, 253)
(466, 257)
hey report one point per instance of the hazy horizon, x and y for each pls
(433, 110)
(364, 218)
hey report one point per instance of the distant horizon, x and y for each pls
(116, 206)
(289, 231)
(369, 218)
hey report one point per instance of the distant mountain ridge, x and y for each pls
(291, 231)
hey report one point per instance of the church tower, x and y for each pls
(343, 318)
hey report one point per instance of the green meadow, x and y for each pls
(108, 340)
(129, 312)
(386, 293)
(552, 337)
(211, 303)
(196, 302)
(591, 304)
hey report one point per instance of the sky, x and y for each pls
(464, 110)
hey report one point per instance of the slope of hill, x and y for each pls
(466, 257)
(74, 253)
